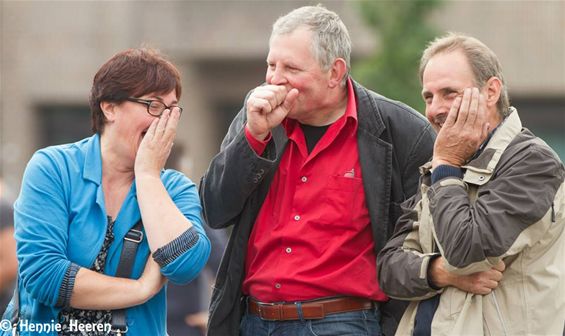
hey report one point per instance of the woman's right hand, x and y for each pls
(151, 281)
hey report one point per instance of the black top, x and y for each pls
(313, 134)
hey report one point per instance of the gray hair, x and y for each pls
(330, 36)
(482, 60)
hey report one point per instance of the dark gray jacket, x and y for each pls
(393, 139)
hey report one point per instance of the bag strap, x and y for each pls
(129, 249)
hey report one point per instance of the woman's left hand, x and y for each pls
(151, 281)
(156, 145)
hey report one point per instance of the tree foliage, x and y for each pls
(402, 33)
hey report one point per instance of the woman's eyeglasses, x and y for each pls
(154, 107)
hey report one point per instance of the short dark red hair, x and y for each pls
(131, 73)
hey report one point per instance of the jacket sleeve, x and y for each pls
(182, 259)
(41, 220)
(410, 280)
(234, 173)
(511, 212)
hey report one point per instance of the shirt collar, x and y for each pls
(92, 168)
(351, 109)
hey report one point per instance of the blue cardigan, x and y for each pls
(60, 223)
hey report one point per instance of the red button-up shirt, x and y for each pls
(312, 237)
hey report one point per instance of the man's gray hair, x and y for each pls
(330, 36)
(482, 60)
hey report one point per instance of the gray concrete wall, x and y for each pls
(50, 50)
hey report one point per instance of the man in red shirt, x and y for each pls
(310, 175)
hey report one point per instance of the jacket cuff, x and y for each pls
(66, 290)
(258, 146)
(443, 171)
(168, 253)
(428, 277)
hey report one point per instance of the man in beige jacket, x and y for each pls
(480, 250)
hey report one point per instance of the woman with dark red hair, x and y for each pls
(100, 225)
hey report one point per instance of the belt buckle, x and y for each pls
(264, 314)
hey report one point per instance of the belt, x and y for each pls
(316, 309)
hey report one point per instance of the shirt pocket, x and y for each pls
(338, 201)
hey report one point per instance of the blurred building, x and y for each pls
(50, 51)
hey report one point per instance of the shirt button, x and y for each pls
(296, 218)
(277, 285)
(288, 250)
(304, 179)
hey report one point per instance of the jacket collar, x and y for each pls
(479, 170)
(369, 121)
(504, 134)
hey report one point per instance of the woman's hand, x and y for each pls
(162, 220)
(151, 281)
(156, 145)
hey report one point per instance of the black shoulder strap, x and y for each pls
(131, 241)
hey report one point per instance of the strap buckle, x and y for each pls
(134, 235)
